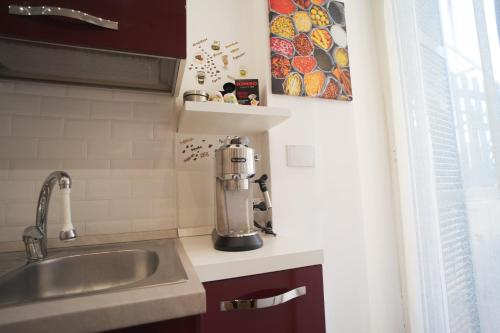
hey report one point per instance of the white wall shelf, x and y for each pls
(224, 118)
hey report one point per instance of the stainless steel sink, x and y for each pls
(93, 269)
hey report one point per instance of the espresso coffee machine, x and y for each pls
(235, 229)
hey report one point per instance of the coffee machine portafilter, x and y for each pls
(235, 167)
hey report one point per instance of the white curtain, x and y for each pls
(444, 66)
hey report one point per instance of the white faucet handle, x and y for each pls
(68, 231)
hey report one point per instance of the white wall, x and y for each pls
(346, 200)
(386, 310)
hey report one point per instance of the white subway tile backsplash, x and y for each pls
(164, 131)
(151, 111)
(108, 189)
(5, 125)
(132, 164)
(131, 208)
(125, 95)
(153, 187)
(96, 210)
(19, 104)
(108, 227)
(2, 212)
(35, 164)
(90, 93)
(111, 110)
(153, 224)
(20, 214)
(132, 130)
(65, 107)
(18, 148)
(25, 213)
(164, 173)
(87, 128)
(193, 218)
(78, 189)
(35, 88)
(37, 127)
(162, 164)
(131, 168)
(61, 148)
(153, 150)
(4, 169)
(17, 190)
(117, 145)
(32, 169)
(87, 169)
(11, 234)
(161, 98)
(164, 207)
(112, 149)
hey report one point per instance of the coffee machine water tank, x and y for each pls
(235, 166)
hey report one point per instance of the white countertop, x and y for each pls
(278, 253)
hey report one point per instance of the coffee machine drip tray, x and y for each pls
(238, 243)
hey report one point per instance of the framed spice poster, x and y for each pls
(309, 51)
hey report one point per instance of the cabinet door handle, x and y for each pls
(65, 12)
(260, 303)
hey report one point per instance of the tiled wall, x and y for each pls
(117, 145)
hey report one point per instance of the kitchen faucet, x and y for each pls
(35, 237)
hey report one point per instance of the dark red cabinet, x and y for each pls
(153, 27)
(304, 314)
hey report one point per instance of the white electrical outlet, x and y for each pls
(300, 156)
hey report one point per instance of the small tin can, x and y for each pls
(195, 96)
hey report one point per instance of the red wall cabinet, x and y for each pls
(153, 27)
(302, 314)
